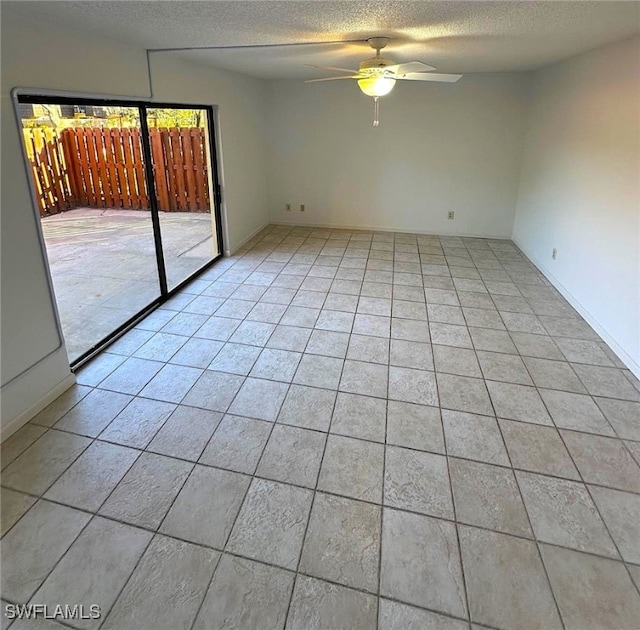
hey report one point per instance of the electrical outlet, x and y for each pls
(450, 215)
(288, 207)
(301, 207)
(554, 253)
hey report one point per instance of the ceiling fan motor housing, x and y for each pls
(376, 64)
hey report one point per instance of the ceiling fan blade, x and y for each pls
(332, 68)
(355, 76)
(430, 76)
(411, 66)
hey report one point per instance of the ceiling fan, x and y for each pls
(377, 76)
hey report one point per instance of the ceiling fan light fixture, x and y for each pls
(376, 86)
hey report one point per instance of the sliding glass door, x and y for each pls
(185, 188)
(128, 204)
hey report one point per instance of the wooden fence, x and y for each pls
(103, 168)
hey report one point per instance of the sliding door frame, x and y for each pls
(215, 199)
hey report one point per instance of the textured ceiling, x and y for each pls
(454, 36)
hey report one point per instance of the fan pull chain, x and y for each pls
(376, 108)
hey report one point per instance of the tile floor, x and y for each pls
(335, 430)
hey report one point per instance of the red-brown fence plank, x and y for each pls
(130, 177)
(38, 179)
(202, 178)
(56, 171)
(138, 161)
(94, 169)
(105, 167)
(159, 169)
(178, 167)
(190, 180)
(170, 173)
(121, 175)
(48, 165)
(76, 190)
(69, 142)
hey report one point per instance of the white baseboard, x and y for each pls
(622, 354)
(231, 251)
(37, 407)
(378, 228)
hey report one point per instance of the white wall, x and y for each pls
(48, 57)
(439, 147)
(580, 188)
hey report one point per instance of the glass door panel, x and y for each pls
(184, 182)
(88, 172)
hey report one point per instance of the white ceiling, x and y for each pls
(453, 36)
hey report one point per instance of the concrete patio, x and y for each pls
(103, 265)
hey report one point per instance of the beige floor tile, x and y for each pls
(562, 513)
(474, 437)
(260, 399)
(137, 424)
(414, 426)
(411, 354)
(343, 542)
(13, 507)
(396, 616)
(93, 413)
(179, 572)
(368, 379)
(95, 568)
(317, 605)
(412, 386)
(488, 496)
(603, 461)
(352, 468)
(621, 514)
(61, 405)
(43, 462)
(506, 582)
(537, 449)
(186, 433)
(206, 507)
(592, 593)
(360, 416)
(147, 491)
(417, 481)
(461, 393)
(517, 402)
(421, 562)
(33, 547)
(458, 361)
(19, 442)
(92, 477)
(271, 524)
(245, 594)
(237, 444)
(292, 455)
(308, 407)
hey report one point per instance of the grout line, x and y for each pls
(313, 498)
(384, 491)
(453, 502)
(244, 499)
(529, 521)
